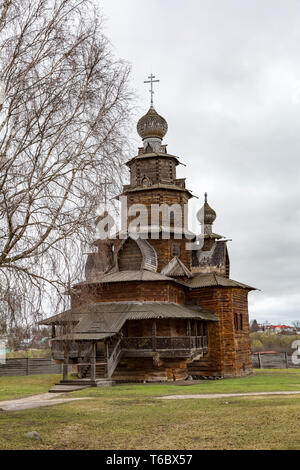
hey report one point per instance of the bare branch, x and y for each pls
(63, 128)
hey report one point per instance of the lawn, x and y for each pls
(23, 386)
(130, 416)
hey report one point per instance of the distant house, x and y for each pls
(278, 329)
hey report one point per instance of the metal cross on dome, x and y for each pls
(151, 80)
(105, 183)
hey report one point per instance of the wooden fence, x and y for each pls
(32, 366)
(273, 361)
(29, 366)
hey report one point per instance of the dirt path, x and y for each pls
(49, 399)
(226, 395)
(35, 401)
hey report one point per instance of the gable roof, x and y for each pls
(216, 257)
(176, 268)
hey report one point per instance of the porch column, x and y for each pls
(154, 331)
(106, 355)
(189, 331)
(53, 331)
(196, 334)
(79, 350)
(93, 362)
(65, 365)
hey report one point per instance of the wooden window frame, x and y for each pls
(238, 322)
(175, 250)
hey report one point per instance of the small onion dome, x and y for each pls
(206, 215)
(152, 125)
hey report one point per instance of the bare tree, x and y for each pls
(64, 107)
(254, 327)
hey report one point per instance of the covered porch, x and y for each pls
(106, 332)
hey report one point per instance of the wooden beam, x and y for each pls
(189, 332)
(154, 332)
(93, 362)
(65, 365)
(259, 361)
(286, 360)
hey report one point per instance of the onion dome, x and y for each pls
(152, 125)
(206, 215)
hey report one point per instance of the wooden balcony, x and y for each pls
(166, 346)
(59, 348)
(144, 346)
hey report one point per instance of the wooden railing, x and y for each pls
(164, 342)
(82, 367)
(59, 348)
(113, 359)
(87, 362)
(62, 345)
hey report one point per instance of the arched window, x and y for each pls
(145, 182)
(175, 249)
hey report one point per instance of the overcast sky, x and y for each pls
(230, 91)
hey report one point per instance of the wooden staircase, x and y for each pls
(104, 368)
(101, 369)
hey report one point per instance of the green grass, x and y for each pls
(23, 386)
(130, 417)
(264, 380)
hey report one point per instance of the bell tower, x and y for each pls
(153, 183)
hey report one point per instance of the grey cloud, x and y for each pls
(230, 91)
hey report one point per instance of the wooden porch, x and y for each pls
(165, 346)
(96, 368)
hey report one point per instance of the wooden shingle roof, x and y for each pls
(107, 318)
(214, 280)
(127, 276)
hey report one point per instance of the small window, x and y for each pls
(175, 249)
(238, 322)
(145, 182)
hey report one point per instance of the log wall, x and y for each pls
(155, 291)
(228, 349)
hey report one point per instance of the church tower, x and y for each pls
(154, 184)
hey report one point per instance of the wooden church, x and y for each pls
(155, 309)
